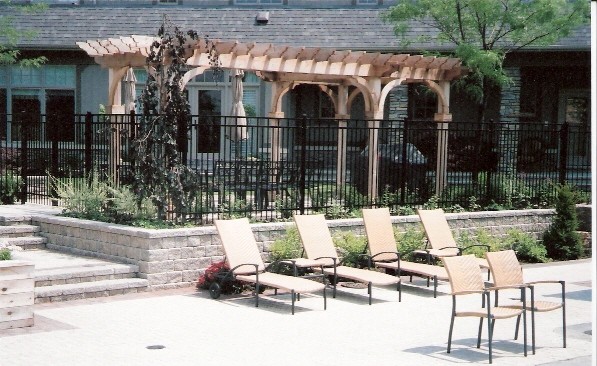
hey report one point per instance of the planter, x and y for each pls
(16, 294)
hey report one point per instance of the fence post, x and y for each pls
(25, 127)
(88, 142)
(303, 162)
(563, 152)
(404, 163)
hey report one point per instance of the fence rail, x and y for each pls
(292, 165)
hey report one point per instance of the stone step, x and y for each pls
(28, 242)
(84, 273)
(10, 220)
(13, 231)
(85, 290)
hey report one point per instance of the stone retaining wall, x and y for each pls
(176, 257)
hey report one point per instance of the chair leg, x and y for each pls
(325, 301)
(399, 290)
(564, 311)
(369, 291)
(480, 331)
(292, 296)
(489, 324)
(257, 294)
(452, 322)
(517, 327)
(434, 287)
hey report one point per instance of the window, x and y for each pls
(367, 2)
(422, 102)
(168, 1)
(255, 2)
(210, 76)
(208, 129)
(60, 108)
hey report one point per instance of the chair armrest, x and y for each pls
(544, 282)
(475, 245)
(512, 287)
(334, 260)
(398, 255)
(243, 265)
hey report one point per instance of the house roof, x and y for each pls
(357, 29)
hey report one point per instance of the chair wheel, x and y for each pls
(215, 290)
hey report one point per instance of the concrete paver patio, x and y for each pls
(196, 330)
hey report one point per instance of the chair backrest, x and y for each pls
(315, 236)
(239, 245)
(464, 273)
(437, 230)
(505, 268)
(380, 234)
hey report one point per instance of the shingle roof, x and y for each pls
(357, 29)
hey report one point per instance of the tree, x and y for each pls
(562, 240)
(483, 32)
(11, 36)
(160, 173)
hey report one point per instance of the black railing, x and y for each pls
(281, 166)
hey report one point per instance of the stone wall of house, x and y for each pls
(176, 257)
(509, 118)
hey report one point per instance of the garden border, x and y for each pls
(170, 258)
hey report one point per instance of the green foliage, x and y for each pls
(478, 243)
(84, 198)
(407, 242)
(484, 31)
(12, 36)
(527, 248)
(350, 248)
(160, 175)
(233, 208)
(10, 187)
(286, 204)
(336, 203)
(125, 207)
(562, 241)
(287, 246)
(5, 254)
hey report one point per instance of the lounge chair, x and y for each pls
(318, 244)
(440, 241)
(246, 264)
(507, 271)
(382, 249)
(465, 279)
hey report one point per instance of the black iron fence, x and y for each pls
(271, 168)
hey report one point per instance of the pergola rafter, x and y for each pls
(373, 74)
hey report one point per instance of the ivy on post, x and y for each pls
(159, 173)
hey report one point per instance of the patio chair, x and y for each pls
(466, 278)
(440, 241)
(246, 264)
(318, 245)
(507, 271)
(382, 249)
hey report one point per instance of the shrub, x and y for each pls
(527, 248)
(350, 248)
(562, 241)
(409, 241)
(125, 208)
(287, 246)
(10, 186)
(5, 254)
(478, 243)
(86, 198)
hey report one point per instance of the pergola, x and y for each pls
(372, 74)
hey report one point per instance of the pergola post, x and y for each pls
(442, 118)
(341, 115)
